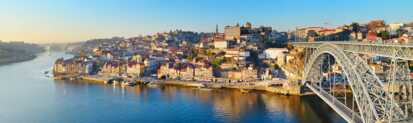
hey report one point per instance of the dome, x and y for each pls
(248, 25)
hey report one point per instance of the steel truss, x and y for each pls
(374, 103)
(397, 51)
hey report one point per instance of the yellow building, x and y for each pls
(232, 32)
(245, 74)
(135, 69)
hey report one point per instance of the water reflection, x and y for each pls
(224, 105)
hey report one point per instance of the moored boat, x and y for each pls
(244, 91)
(124, 84)
(115, 82)
(151, 84)
(205, 89)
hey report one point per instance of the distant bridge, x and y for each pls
(372, 99)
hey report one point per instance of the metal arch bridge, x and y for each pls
(374, 102)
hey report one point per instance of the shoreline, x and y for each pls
(246, 87)
(11, 60)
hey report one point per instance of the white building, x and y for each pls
(220, 44)
(274, 53)
(393, 27)
(237, 54)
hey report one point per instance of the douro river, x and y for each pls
(28, 96)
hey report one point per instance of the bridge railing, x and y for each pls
(393, 50)
(348, 114)
(409, 44)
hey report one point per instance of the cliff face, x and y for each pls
(294, 68)
(18, 51)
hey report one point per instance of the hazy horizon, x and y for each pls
(50, 21)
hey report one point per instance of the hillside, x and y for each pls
(18, 51)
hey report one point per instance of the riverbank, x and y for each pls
(281, 87)
(13, 52)
(16, 59)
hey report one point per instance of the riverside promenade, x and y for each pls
(278, 86)
(281, 86)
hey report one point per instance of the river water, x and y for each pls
(28, 96)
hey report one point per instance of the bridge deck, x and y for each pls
(337, 106)
(396, 50)
(311, 44)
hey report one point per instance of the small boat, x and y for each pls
(244, 91)
(114, 83)
(124, 84)
(106, 82)
(48, 74)
(145, 82)
(205, 89)
(150, 84)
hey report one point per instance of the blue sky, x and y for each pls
(76, 20)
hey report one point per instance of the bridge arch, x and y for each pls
(368, 92)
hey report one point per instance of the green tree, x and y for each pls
(217, 61)
(384, 35)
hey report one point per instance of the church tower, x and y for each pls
(216, 29)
